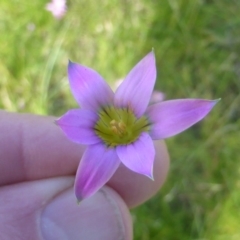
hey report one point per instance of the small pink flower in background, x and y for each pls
(157, 96)
(121, 127)
(57, 7)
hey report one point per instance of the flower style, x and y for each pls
(120, 127)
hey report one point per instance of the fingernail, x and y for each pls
(98, 217)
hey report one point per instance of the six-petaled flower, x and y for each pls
(121, 127)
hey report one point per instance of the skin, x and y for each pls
(37, 168)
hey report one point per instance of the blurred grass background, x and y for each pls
(197, 45)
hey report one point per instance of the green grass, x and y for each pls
(197, 45)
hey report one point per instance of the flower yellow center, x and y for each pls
(119, 126)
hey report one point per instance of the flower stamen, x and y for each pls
(119, 126)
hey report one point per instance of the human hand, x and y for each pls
(37, 201)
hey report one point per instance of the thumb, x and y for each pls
(47, 209)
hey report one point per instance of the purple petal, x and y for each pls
(135, 91)
(88, 87)
(78, 126)
(138, 156)
(172, 117)
(97, 166)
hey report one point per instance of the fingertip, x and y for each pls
(47, 209)
(102, 216)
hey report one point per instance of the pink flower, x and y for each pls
(156, 97)
(57, 7)
(121, 127)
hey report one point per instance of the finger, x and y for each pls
(32, 147)
(47, 209)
